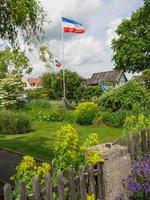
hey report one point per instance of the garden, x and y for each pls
(64, 133)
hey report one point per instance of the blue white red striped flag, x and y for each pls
(71, 26)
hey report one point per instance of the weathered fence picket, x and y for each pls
(143, 141)
(72, 186)
(100, 180)
(60, 182)
(82, 183)
(22, 191)
(36, 188)
(48, 188)
(7, 192)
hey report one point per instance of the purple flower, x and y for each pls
(147, 188)
(134, 187)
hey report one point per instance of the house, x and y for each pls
(32, 83)
(114, 78)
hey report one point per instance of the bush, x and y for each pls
(67, 149)
(85, 113)
(58, 115)
(89, 93)
(38, 93)
(125, 97)
(136, 123)
(115, 119)
(14, 123)
(39, 103)
(26, 170)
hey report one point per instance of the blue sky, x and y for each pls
(89, 52)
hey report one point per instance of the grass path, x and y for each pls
(39, 143)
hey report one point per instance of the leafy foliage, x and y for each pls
(136, 123)
(87, 93)
(15, 60)
(67, 149)
(39, 93)
(14, 123)
(26, 170)
(94, 157)
(125, 97)
(25, 16)
(54, 84)
(85, 113)
(132, 46)
(11, 88)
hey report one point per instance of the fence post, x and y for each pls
(148, 138)
(82, 183)
(72, 186)
(143, 140)
(60, 182)
(48, 187)
(91, 179)
(22, 191)
(137, 143)
(130, 145)
(36, 188)
(7, 192)
(100, 178)
(123, 141)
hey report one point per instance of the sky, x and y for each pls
(90, 52)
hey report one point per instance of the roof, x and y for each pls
(34, 81)
(103, 77)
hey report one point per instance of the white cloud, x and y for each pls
(111, 31)
(79, 9)
(89, 52)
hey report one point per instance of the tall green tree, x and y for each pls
(20, 20)
(132, 46)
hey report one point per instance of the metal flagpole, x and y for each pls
(63, 61)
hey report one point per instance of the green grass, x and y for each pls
(39, 143)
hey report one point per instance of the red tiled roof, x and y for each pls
(34, 81)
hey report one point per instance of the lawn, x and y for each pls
(39, 143)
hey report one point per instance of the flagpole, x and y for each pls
(63, 60)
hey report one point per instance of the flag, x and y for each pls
(71, 26)
(57, 64)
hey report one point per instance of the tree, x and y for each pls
(20, 20)
(46, 81)
(146, 78)
(25, 17)
(11, 88)
(72, 81)
(132, 46)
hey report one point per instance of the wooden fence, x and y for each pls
(72, 188)
(77, 187)
(137, 143)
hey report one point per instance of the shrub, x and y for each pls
(14, 123)
(58, 115)
(68, 152)
(39, 103)
(38, 93)
(85, 113)
(125, 97)
(136, 123)
(26, 170)
(11, 89)
(66, 147)
(89, 93)
(115, 119)
(94, 157)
